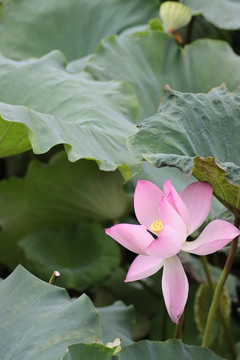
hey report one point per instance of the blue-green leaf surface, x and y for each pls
(117, 321)
(168, 350)
(38, 320)
(222, 13)
(197, 133)
(42, 105)
(32, 28)
(154, 59)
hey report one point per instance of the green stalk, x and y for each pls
(224, 322)
(54, 277)
(178, 329)
(217, 293)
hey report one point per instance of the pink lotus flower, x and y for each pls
(172, 217)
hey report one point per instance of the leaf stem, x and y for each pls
(224, 322)
(217, 293)
(54, 277)
(178, 329)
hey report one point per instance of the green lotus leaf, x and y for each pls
(167, 350)
(197, 133)
(56, 195)
(174, 15)
(41, 105)
(38, 320)
(154, 59)
(31, 29)
(222, 13)
(117, 321)
(83, 254)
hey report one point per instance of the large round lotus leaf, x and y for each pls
(32, 28)
(59, 194)
(88, 352)
(42, 105)
(222, 13)
(168, 350)
(199, 134)
(154, 59)
(38, 320)
(83, 254)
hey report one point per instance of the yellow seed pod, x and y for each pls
(157, 226)
(174, 15)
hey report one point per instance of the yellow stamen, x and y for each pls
(157, 226)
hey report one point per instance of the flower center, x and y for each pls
(156, 227)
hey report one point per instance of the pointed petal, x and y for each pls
(174, 287)
(169, 216)
(216, 235)
(146, 201)
(198, 198)
(176, 201)
(166, 245)
(142, 267)
(133, 237)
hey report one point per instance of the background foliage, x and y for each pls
(94, 96)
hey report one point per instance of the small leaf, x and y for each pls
(115, 344)
(156, 25)
(174, 15)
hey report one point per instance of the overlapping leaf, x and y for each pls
(59, 194)
(38, 320)
(117, 321)
(83, 254)
(168, 350)
(42, 105)
(198, 133)
(155, 59)
(222, 13)
(30, 28)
